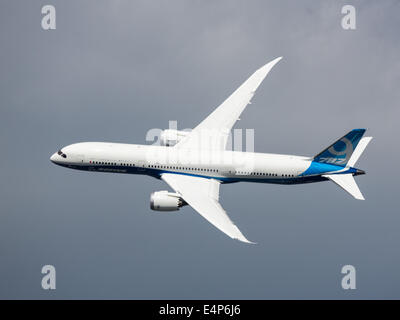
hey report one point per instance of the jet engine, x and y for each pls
(166, 201)
(170, 137)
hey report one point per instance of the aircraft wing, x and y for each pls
(202, 194)
(213, 132)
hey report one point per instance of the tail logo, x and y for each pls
(342, 150)
(339, 153)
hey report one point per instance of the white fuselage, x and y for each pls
(226, 166)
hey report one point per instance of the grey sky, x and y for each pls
(114, 69)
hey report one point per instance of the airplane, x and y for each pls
(195, 163)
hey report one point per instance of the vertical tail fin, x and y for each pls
(346, 181)
(339, 153)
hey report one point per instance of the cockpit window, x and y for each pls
(62, 154)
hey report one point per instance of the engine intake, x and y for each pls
(166, 201)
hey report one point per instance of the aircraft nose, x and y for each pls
(54, 157)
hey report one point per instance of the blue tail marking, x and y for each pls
(340, 152)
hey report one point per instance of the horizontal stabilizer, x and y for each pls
(347, 183)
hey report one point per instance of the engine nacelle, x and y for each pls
(171, 137)
(166, 201)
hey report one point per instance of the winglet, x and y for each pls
(261, 73)
(247, 241)
(239, 236)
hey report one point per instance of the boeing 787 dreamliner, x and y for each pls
(194, 164)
